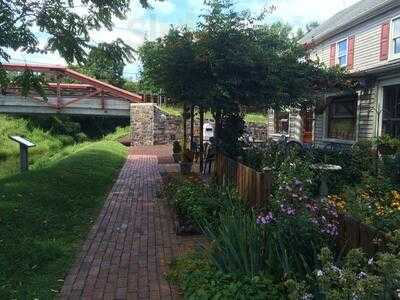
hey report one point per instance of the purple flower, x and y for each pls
(265, 219)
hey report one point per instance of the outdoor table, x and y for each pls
(325, 170)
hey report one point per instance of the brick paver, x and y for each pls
(127, 252)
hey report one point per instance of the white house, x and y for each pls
(364, 38)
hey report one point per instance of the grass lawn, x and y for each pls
(45, 214)
(176, 111)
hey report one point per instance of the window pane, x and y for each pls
(343, 48)
(342, 118)
(343, 61)
(396, 28)
(391, 111)
(396, 46)
(342, 129)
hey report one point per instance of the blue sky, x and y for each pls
(143, 24)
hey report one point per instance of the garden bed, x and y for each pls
(295, 245)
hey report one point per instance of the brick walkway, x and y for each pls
(128, 249)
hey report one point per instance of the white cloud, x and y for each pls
(141, 24)
(164, 7)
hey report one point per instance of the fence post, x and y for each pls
(268, 182)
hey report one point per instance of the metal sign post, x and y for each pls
(24, 145)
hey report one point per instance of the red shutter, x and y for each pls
(350, 56)
(385, 41)
(332, 59)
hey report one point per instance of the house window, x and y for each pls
(282, 122)
(391, 111)
(396, 36)
(342, 116)
(342, 53)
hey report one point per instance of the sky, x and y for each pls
(142, 24)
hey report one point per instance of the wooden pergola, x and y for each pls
(191, 110)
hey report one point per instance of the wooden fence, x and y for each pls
(354, 234)
(254, 187)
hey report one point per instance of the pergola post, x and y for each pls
(191, 126)
(201, 112)
(184, 115)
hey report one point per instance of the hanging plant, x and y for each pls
(29, 81)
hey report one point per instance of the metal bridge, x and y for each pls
(86, 96)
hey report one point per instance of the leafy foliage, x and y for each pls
(199, 204)
(68, 31)
(357, 276)
(106, 62)
(231, 61)
(200, 280)
(28, 81)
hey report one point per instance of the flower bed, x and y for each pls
(283, 253)
(297, 245)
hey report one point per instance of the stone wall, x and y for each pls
(142, 124)
(152, 126)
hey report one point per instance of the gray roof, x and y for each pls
(348, 18)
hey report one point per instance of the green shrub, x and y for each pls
(198, 203)
(238, 243)
(387, 145)
(375, 201)
(177, 148)
(200, 280)
(358, 277)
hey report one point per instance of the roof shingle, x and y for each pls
(345, 17)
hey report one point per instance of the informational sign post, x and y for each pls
(24, 145)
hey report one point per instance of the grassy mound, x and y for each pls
(45, 213)
(46, 142)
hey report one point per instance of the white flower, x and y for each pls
(362, 275)
(319, 273)
(307, 297)
(371, 261)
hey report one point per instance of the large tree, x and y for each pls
(66, 25)
(106, 62)
(231, 61)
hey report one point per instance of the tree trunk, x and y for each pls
(191, 126)
(201, 138)
(218, 124)
(184, 115)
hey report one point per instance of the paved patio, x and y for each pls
(127, 252)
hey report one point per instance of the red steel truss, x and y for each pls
(92, 87)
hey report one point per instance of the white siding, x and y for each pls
(367, 43)
(319, 130)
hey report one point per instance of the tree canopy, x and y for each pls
(106, 62)
(66, 24)
(233, 60)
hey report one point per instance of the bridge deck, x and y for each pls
(90, 106)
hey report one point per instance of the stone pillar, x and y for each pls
(270, 123)
(142, 124)
(295, 125)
